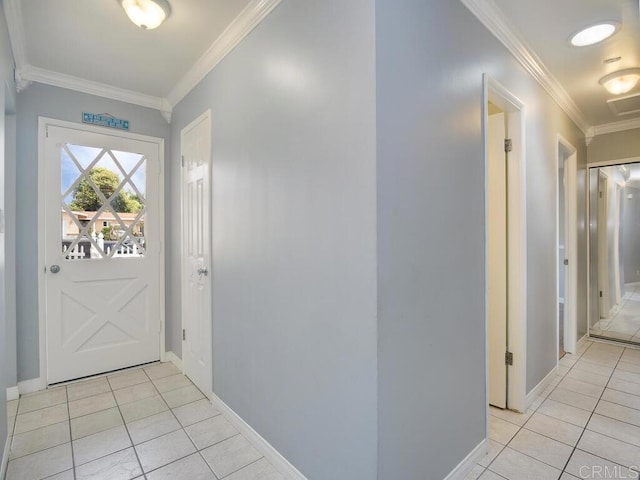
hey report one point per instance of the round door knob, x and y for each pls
(54, 268)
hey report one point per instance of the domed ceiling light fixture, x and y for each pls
(621, 81)
(594, 34)
(147, 14)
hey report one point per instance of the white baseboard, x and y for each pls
(470, 461)
(13, 393)
(538, 389)
(173, 358)
(5, 457)
(582, 341)
(33, 385)
(280, 463)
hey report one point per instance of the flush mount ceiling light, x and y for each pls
(147, 14)
(621, 81)
(594, 34)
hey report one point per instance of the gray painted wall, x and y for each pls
(615, 146)
(43, 100)
(10, 246)
(294, 291)
(631, 234)
(7, 239)
(431, 270)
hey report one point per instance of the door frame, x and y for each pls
(606, 163)
(570, 245)
(43, 122)
(618, 186)
(603, 249)
(206, 115)
(497, 94)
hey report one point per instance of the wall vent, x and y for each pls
(625, 105)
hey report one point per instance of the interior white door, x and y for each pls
(497, 260)
(603, 246)
(196, 253)
(616, 244)
(102, 252)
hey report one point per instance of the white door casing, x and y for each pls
(570, 158)
(603, 244)
(197, 325)
(616, 241)
(497, 260)
(103, 313)
(505, 101)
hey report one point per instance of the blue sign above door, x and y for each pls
(105, 120)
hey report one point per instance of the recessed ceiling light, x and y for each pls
(147, 14)
(594, 34)
(621, 81)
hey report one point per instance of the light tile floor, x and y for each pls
(153, 423)
(585, 424)
(150, 423)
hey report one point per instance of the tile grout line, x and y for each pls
(126, 428)
(73, 458)
(236, 471)
(591, 415)
(68, 420)
(521, 427)
(198, 450)
(182, 427)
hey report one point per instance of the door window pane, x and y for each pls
(103, 203)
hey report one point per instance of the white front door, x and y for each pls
(101, 250)
(497, 260)
(196, 253)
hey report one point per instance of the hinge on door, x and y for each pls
(184, 334)
(508, 145)
(508, 358)
(600, 293)
(182, 160)
(566, 261)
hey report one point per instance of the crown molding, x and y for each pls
(15, 25)
(30, 73)
(617, 126)
(241, 26)
(25, 73)
(498, 24)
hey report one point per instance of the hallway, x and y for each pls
(587, 419)
(146, 422)
(315, 174)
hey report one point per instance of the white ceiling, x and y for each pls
(94, 40)
(547, 25)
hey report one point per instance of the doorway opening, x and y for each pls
(567, 247)
(614, 262)
(101, 283)
(505, 206)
